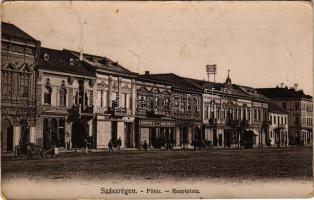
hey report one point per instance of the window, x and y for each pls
(218, 116)
(255, 114)
(278, 119)
(297, 105)
(274, 119)
(188, 105)
(24, 85)
(6, 84)
(259, 115)
(91, 97)
(297, 120)
(88, 98)
(125, 101)
(271, 119)
(62, 96)
(47, 95)
(115, 97)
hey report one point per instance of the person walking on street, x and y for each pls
(119, 143)
(110, 146)
(145, 145)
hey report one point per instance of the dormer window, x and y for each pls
(46, 57)
(71, 61)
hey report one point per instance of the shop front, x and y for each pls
(157, 133)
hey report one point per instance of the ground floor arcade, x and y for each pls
(15, 131)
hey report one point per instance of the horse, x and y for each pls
(30, 150)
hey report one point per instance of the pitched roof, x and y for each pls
(103, 63)
(239, 90)
(59, 60)
(283, 93)
(13, 32)
(275, 108)
(177, 82)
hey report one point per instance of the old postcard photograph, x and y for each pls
(156, 99)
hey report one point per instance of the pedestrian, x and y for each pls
(85, 146)
(110, 146)
(119, 143)
(145, 145)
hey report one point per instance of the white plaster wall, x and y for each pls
(16, 135)
(103, 133)
(144, 135)
(32, 133)
(120, 127)
(177, 136)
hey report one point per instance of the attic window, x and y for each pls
(46, 57)
(115, 63)
(71, 61)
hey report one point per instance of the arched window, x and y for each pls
(24, 85)
(47, 95)
(63, 96)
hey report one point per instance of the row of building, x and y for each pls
(66, 99)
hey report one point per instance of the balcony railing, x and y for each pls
(233, 122)
(156, 113)
(212, 121)
(281, 126)
(49, 108)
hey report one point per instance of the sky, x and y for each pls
(263, 44)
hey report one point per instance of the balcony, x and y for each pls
(156, 113)
(281, 126)
(119, 111)
(212, 121)
(233, 122)
(49, 108)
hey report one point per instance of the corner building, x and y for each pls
(19, 53)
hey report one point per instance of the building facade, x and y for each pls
(18, 86)
(234, 116)
(278, 128)
(300, 112)
(154, 124)
(114, 102)
(184, 106)
(67, 99)
(65, 96)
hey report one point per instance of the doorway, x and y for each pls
(79, 133)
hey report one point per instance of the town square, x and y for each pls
(156, 93)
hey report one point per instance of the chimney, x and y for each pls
(146, 73)
(81, 54)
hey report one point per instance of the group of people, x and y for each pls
(110, 145)
(119, 143)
